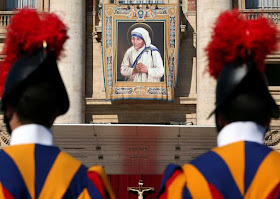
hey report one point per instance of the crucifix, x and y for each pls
(140, 190)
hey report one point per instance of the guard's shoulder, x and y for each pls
(173, 184)
(171, 172)
(69, 157)
(100, 181)
(202, 157)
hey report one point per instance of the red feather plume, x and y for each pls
(234, 38)
(26, 34)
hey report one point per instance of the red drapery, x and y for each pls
(121, 182)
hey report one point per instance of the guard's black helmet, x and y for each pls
(242, 94)
(30, 70)
(32, 46)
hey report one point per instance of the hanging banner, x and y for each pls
(140, 51)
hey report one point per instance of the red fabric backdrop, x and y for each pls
(121, 182)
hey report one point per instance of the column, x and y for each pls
(207, 12)
(72, 63)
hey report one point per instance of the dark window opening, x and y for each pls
(19, 4)
(262, 4)
(273, 74)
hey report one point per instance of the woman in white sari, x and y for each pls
(142, 62)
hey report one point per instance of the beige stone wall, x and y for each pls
(1, 46)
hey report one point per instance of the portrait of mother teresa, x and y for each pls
(142, 62)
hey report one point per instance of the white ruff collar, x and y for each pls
(32, 134)
(241, 131)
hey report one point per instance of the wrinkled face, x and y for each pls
(137, 42)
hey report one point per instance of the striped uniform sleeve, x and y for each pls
(173, 184)
(266, 177)
(99, 185)
(275, 193)
(4, 193)
(12, 175)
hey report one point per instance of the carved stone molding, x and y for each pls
(4, 139)
(4, 136)
(272, 138)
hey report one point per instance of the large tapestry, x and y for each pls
(140, 51)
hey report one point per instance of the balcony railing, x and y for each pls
(5, 18)
(271, 15)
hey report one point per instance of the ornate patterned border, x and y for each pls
(140, 90)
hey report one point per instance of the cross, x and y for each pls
(140, 190)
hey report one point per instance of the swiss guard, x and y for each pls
(33, 95)
(241, 166)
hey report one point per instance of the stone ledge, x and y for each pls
(190, 13)
(273, 58)
(144, 107)
(125, 112)
(191, 100)
(188, 100)
(92, 101)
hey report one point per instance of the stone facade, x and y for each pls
(85, 83)
(183, 110)
(82, 68)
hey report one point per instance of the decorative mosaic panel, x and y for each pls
(141, 1)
